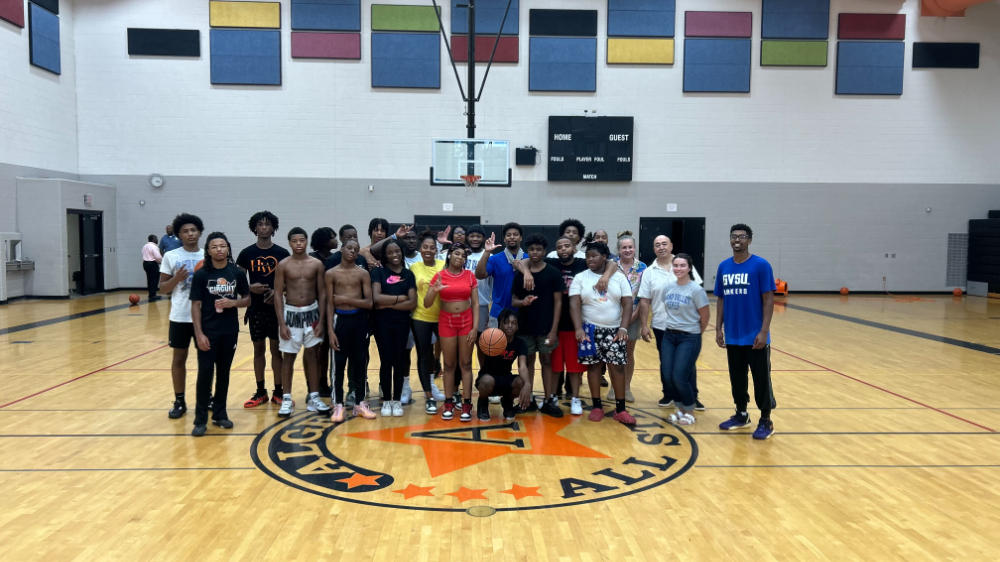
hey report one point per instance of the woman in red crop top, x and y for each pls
(458, 290)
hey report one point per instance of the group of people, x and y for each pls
(566, 310)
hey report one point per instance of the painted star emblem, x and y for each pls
(412, 491)
(465, 494)
(358, 479)
(522, 491)
(449, 447)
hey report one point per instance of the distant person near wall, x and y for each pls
(151, 258)
(169, 241)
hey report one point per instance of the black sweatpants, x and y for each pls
(758, 361)
(219, 358)
(422, 332)
(152, 270)
(390, 338)
(352, 335)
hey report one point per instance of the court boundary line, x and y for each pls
(67, 318)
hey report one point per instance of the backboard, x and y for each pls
(453, 158)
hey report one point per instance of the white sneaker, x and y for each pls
(407, 396)
(397, 409)
(436, 392)
(494, 399)
(387, 408)
(611, 394)
(287, 406)
(315, 404)
(576, 407)
(349, 401)
(686, 419)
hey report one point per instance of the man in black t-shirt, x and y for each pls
(496, 376)
(258, 261)
(538, 316)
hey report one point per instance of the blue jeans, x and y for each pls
(678, 354)
(667, 396)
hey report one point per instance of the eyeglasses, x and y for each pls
(740, 237)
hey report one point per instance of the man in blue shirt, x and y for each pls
(169, 241)
(501, 267)
(745, 287)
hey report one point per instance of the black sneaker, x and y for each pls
(199, 430)
(457, 397)
(549, 407)
(604, 382)
(224, 424)
(483, 410)
(178, 410)
(699, 406)
(325, 391)
(532, 407)
(738, 421)
(665, 403)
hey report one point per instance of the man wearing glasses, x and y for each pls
(745, 287)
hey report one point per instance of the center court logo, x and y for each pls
(532, 462)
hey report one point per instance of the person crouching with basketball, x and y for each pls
(496, 376)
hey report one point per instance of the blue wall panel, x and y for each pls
(326, 15)
(717, 65)
(641, 18)
(870, 68)
(489, 14)
(562, 64)
(406, 60)
(795, 19)
(246, 56)
(43, 27)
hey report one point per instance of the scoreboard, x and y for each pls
(590, 148)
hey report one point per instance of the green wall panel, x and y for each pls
(404, 18)
(793, 53)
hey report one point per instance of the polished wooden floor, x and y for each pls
(886, 449)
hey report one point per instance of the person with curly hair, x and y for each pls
(573, 230)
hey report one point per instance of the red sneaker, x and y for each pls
(466, 413)
(276, 398)
(449, 411)
(596, 415)
(624, 418)
(256, 400)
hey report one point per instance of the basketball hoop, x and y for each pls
(470, 184)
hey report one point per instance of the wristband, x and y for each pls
(620, 328)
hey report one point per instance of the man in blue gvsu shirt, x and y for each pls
(745, 287)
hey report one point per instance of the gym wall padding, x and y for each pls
(717, 65)
(641, 18)
(870, 68)
(507, 49)
(326, 15)
(872, 26)
(489, 14)
(312, 45)
(795, 19)
(562, 64)
(718, 24)
(246, 57)
(406, 60)
(946, 55)
(43, 44)
(404, 18)
(50, 5)
(630, 50)
(794, 53)
(563, 23)
(164, 42)
(12, 11)
(254, 15)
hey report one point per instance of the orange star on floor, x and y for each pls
(522, 491)
(449, 446)
(412, 491)
(358, 479)
(464, 494)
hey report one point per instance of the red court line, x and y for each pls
(887, 391)
(80, 377)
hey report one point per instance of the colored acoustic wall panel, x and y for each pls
(641, 18)
(326, 15)
(562, 64)
(563, 23)
(718, 24)
(870, 68)
(946, 55)
(164, 42)
(872, 26)
(507, 48)
(43, 43)
(246, 56)
(310, 45)
(717, 65)
(489, 14)
(262, 15)
(795, 19)
(404, 18)
(50, 5)
(793, 53)
(406, 60)
(629, 50)
(12, 11)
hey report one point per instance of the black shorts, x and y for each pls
(503, 384)
(180, 335)
(263, 323)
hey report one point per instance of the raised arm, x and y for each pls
(488, 246)
(376, 249)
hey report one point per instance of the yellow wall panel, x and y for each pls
(245, 14)
(640, 51)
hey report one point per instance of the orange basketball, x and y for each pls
(493, 341)
(200, 265)
(957, 292)
(133, 298)
(844, 291)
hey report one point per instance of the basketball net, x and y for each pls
(470, 185)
